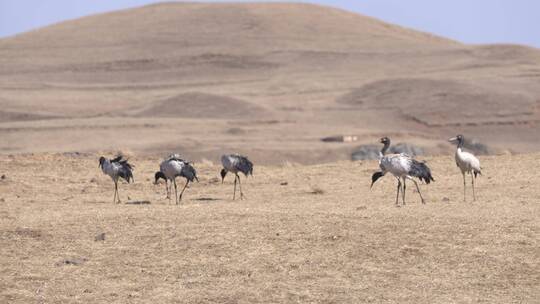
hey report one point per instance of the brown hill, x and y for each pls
(279, 74)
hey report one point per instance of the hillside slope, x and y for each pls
(282, 75)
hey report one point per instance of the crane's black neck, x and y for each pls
(385, 147)
(460, 143)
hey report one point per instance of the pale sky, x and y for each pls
(470, 21)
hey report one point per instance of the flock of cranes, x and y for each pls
(172, 167)
(402, 166)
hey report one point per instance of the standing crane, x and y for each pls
(116, 168)
(235, 163)
(467, 163)
(403, 167)
(172, 167)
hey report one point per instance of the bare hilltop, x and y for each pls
(270, 80)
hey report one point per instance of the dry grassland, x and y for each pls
(306, 234)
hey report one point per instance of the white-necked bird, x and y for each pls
(466, 162)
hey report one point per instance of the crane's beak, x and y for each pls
(453, 139)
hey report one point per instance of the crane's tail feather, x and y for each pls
(189, 172)
(477, 172)
(126, 171)
(375, 177)
(126, 174)
(422, 171)
(245, 165)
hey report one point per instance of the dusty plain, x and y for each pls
(305, 234)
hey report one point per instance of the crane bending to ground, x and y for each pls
(235, 163)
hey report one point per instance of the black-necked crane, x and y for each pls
(403, 167)
(235, 163)
(159, 174)
(467, 163)
(116, 168)
(172, 167)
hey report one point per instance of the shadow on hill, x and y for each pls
(436, 103)
(202, 105)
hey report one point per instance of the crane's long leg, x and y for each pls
(472, 182)
(397, 194)
(234, 193)
(175, 191)
(182, 192)
(168, 189)
(404, 187)
(115, 191)
(240, 186)
(417, 188)
(464, 186)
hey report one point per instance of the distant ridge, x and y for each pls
(245, 27)
(264, 79)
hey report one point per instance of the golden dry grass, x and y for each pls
(286, 243)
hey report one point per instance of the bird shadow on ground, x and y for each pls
(207, 199)
(145, 202)
(98, 202)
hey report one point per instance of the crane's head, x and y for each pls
(159, 175)
(458, 139)
(385, 140)
(223, 173)
(101, 161)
